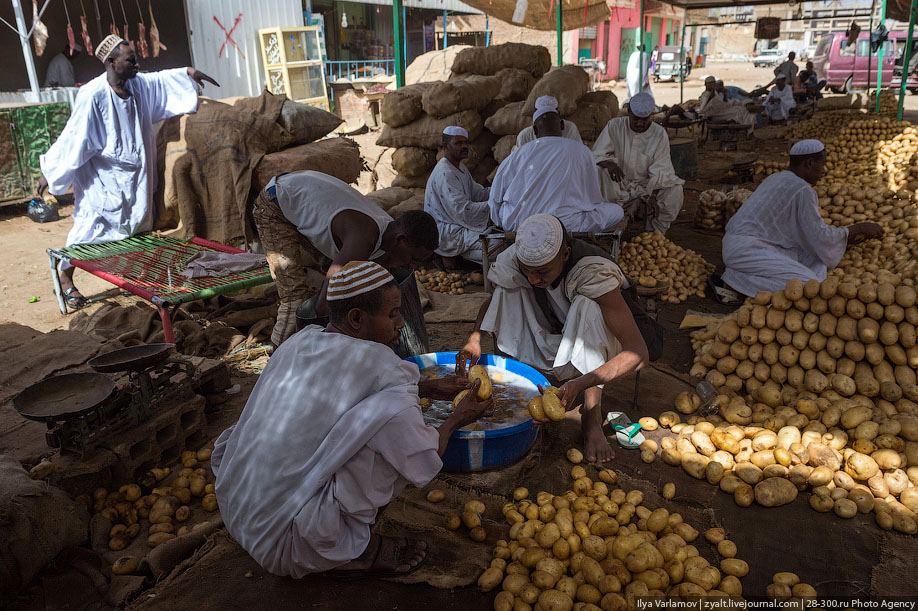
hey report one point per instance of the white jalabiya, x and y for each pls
(331, 432)
(716, 107)
(108, 154)
(523, 332)
(568, 130)
(311, 201)
(646, 165)
(777, 235)
(785, 97)
(554, 175)
(634, 78)
(460, 207)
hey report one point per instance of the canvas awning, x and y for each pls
(541, 14)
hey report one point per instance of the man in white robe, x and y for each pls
(332, 431)
(637, 74)
(716, 106)
(310, 219)
(778, 234)
(779, 101)
(456, 201)
(557, 306)
(107, 151)
(788, 68)
(551, 174)
(635, 167)
(568, 130)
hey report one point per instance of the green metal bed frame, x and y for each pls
(149, 267)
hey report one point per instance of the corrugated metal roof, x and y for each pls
(437, 5)
(236, 74)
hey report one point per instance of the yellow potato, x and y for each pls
(535, 408)
(459, 397)
(436, 495)
(552, 406)
(477, 372)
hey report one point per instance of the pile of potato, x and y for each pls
(598, 547)
(875, 147)
(452, 283)
(651, 255)
(130, 510)
(735, 200)
(824, 125)
(767, 168)
(831, 364)
(710, 211)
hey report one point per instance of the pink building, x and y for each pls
(616, 39)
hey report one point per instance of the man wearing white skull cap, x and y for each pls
(557, 305)
(780, 100)
(543, 104)
(634, 164)
(551, 174)
(347, 450)
(456, 201)
(778, 234)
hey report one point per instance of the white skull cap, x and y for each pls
(455, 130)
(807, 147)
(642, 105)
(544, 104)
(539, 240)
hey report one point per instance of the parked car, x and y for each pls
(846, 68)
(669, 65)
(768, 58)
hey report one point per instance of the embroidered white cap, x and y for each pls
(544, 104)
(539, 240)
(807, 147)
(357, 278)
(107, 46)
(641, 104)
(455, 130)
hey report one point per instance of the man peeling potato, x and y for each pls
(332, 432)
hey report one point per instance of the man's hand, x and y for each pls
(470, 408)
(442, 388)
(653, 206)
(42, 185)
(860, 232)
(199, 77)
(470, 353)
(615, 172)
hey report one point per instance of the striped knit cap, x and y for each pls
(357, 278)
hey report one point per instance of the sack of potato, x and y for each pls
(651, 255)
(735, 199)
(710, 211)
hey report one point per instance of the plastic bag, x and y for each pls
(42, 211)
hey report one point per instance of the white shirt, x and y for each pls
(643, 158)
(311, 201)
(459, 205)
(60, 72)
(569, 130)
(780, 111)
(554, 175)
(108, 154)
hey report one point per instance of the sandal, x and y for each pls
(75, 302)
(722, 294)
(627, 433)
(390, 555)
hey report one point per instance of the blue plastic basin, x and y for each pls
(481, 450)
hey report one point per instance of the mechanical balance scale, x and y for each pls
(84, 411)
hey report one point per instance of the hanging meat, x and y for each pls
(71, 37)
(39, 31)
(142, 43)
(154, 34)
(87, 42)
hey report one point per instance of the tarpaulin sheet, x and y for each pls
(542, 14)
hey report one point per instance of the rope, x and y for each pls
(66, 12)
(123, 12)
(140, 12)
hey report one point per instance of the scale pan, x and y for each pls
(135, 358)
(64, 397)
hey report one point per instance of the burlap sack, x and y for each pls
(515, 84)
(307, 123)
(403, 106)
(427, 131)
(387, 198)
(411, 182)
(338, 157)
(504, 147)
(482, 171)
(37, 522)
(590, 119)
(415, 202)
(383, 172)
(509, 120)
(413, 161)
(602, 98)
(493, 106)
(451, 97)
(491, 60)
(567, 84)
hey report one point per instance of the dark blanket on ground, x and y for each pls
(207, 159)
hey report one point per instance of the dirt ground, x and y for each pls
(837, 558)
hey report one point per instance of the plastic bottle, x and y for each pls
(708, 395)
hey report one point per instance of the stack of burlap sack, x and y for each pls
(491, 92)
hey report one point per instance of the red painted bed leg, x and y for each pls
(168, 333)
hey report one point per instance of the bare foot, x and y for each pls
(385, 555)
(595, 445)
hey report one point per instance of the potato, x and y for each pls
(452, 521)
(743, 495)
(478, 534)
(159, 538)
(504, 601)
(845, 508)
(551, 404)
(669, 491)
(734, 567)
(436, 495)
(860, 466)
(715, 535)
(209, 503)
(774, 491)
(554, 600)
(535, 408)
(163, 509)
